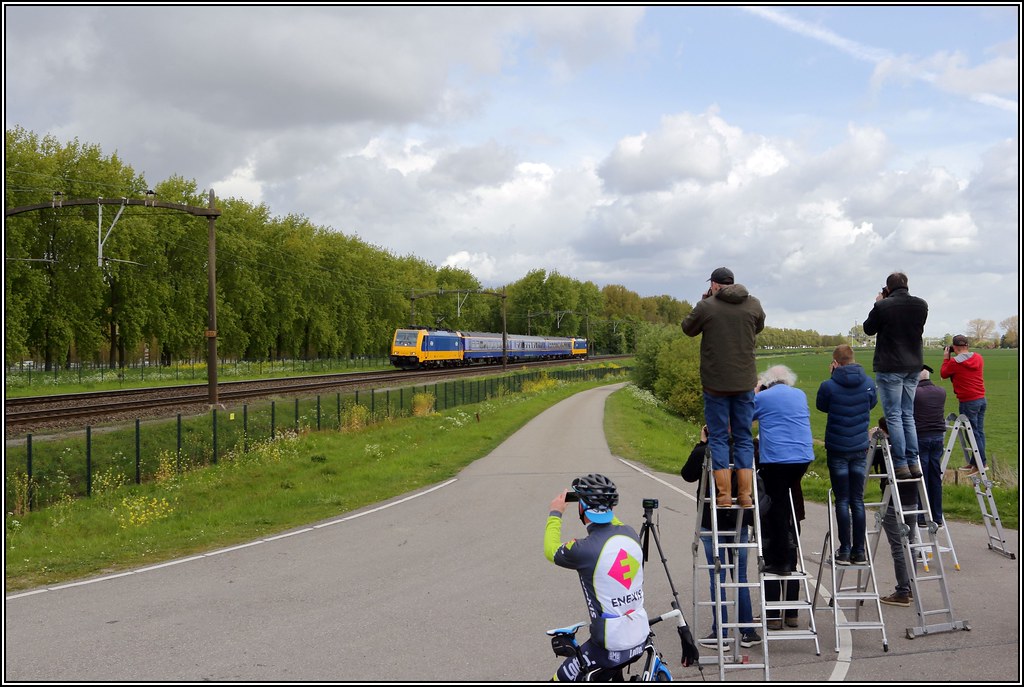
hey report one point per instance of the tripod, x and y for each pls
(691, 655)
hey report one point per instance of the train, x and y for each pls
(416, 348)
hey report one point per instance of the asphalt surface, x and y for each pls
(450, 584)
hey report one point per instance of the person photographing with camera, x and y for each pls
(609, 561)
(897, 321)
(728, 320)
(967, 372)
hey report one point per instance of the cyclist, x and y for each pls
(609, 563)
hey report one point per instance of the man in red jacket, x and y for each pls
(966, 370)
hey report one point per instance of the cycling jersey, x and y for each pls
(609, 563)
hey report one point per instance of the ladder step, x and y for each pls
(854, 596)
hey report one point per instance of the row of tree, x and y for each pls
(286, 288)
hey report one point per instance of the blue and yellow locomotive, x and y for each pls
(421, 347)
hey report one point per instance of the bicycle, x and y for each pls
(563, 643)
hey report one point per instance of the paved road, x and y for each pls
(450, 584)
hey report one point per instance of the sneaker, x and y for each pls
(775, 623)
(915, 470)
(750, 639)
(897, 599)
(841, 558)
(858, 558)
(792, 622)
(904, 473)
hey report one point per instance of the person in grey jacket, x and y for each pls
(728, 319)
(848, 397)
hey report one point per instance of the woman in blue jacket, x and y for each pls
(848, 398)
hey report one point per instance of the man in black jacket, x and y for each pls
(897, 321)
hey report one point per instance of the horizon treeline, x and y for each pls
(286, 287)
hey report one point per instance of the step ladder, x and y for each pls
(963, 434)
(911, 549)
(729, 656)
(863, 593)
(803, 601)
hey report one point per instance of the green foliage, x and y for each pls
(678, 382)
(668, 364)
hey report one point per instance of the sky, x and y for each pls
(813, 150)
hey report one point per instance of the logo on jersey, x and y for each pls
(624, 569)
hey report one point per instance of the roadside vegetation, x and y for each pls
(296, 479)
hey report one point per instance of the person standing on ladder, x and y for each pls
(897, 321)
(728, 319)
(967, 372)
(848, 397)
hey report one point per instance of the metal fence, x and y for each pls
(30, 374)
(41, 473)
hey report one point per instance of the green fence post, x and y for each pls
(297, 406)
(318, 412)
(177, 462)
(214, 436)
(88, 460)
(138, 451)
(245, 428)
(273, 418)
(28, 468)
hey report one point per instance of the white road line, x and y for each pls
(230, 548)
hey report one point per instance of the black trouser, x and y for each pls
(777, 529)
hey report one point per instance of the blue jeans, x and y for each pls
(733, 413)
(931, 465)
(896, 392)
(848, 472)
(724, 555)
(975, 412)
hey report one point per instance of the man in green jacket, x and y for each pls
(728, 319)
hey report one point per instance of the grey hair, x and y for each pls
(777, 373)
(924, 374)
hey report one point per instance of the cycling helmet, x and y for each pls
(598, 496)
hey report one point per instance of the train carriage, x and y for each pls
(418, 347)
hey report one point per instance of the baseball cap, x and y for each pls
(599, 514)
(959, 340)
(723, 275)
(927, 367)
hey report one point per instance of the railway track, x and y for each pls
(23, 415)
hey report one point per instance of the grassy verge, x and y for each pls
(639, 429)
(297, 479)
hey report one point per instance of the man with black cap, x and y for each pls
(967, 372)
(897, 322)
(930, 420)
(728, 319)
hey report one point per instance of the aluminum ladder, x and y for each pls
(863, 592)
(728, 655)
(912, 549)
(963, 434)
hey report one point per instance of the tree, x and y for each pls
(1010, 338)
(979, 331)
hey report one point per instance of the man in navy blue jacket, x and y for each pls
(848, 398)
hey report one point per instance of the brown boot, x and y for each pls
(744, 487)
(723, 484)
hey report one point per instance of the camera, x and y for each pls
(650, 504)
(571, 496)
(885, 292)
